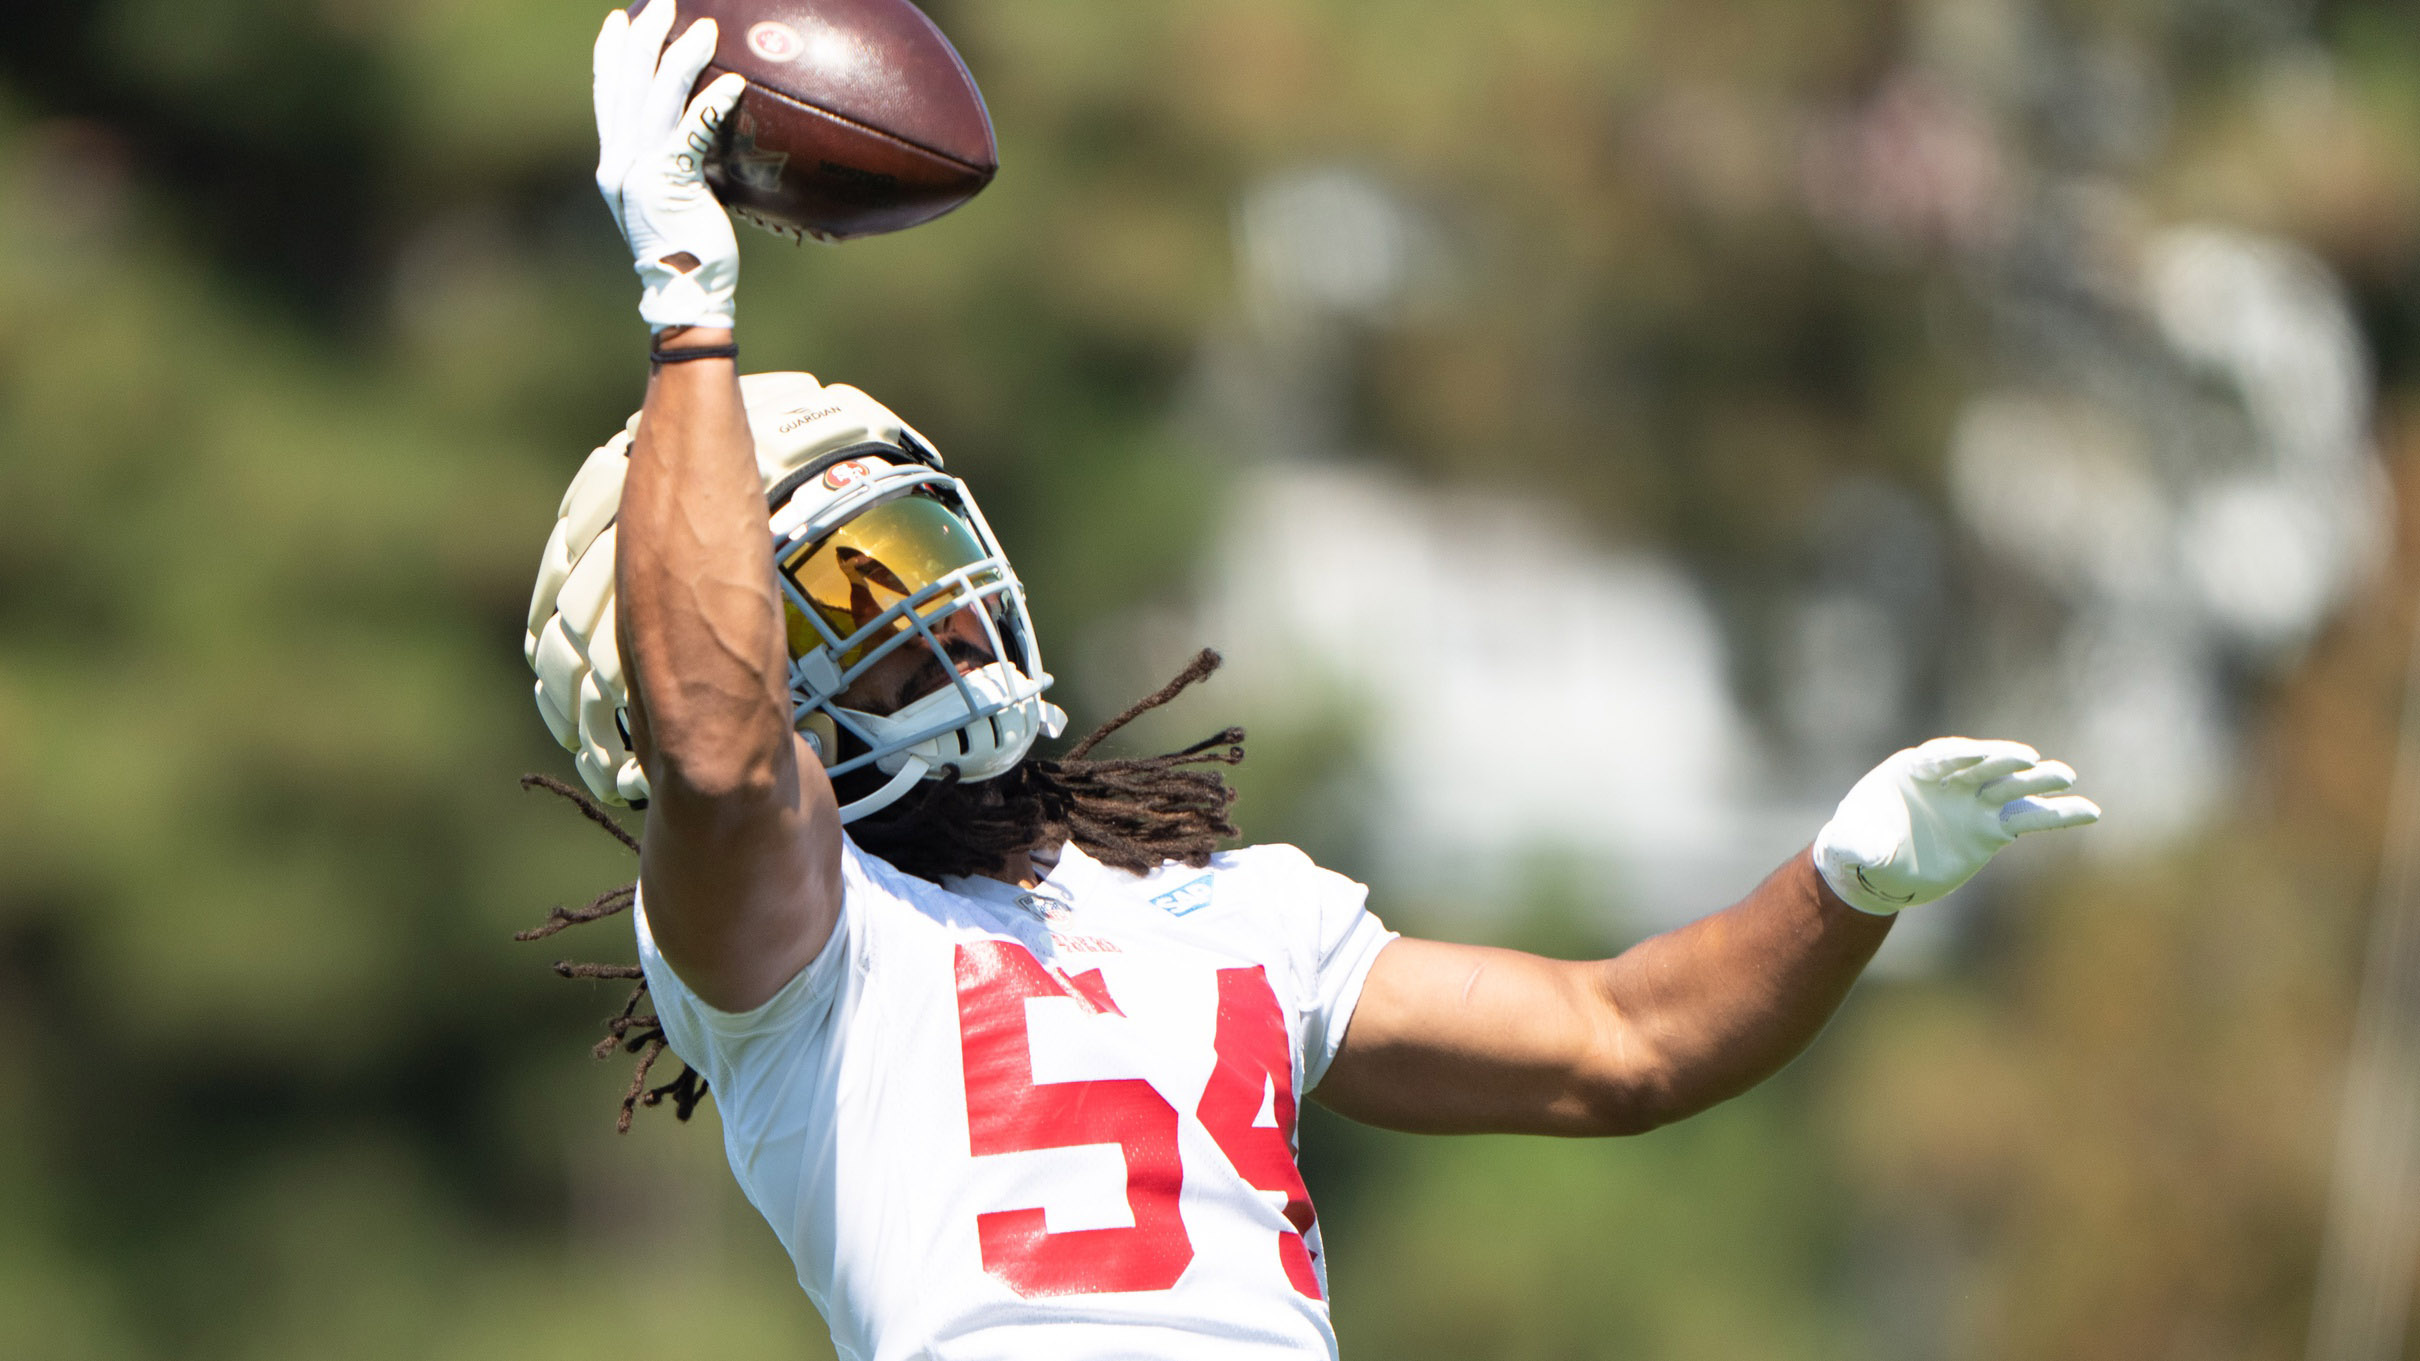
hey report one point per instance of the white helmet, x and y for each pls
(887, 570)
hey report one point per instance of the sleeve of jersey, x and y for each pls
(728, 1047)
(1338, 939)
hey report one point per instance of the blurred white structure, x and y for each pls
(1332, 240)
(2274, 542)
(1524, 697)
(1523, 692)
(2171, 490)
(2198, 510)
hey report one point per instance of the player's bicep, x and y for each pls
(741, 898)
(1450, 1039)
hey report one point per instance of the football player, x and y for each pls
(1005, 1052)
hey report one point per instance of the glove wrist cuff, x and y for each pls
(1846, 878)
(701, 296)
(662, 311)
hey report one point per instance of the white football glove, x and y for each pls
(651, 159)
(1924, 821)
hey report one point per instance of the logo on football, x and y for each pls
(775, 41)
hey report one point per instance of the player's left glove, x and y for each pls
(1925, 820)
(651, 164)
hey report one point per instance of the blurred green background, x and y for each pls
(312, 313)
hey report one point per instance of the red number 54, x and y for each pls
(1008, 1112)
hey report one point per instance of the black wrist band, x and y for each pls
(683, 356)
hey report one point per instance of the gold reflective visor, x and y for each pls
(882, 557)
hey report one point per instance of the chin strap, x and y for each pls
(910, 772)
(1012, 720)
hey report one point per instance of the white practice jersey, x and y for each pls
(994, 1124)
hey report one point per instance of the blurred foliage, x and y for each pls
(314, 313)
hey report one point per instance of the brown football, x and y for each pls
(859, 116)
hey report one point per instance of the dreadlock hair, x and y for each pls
(642, 1035)
(1133, 813)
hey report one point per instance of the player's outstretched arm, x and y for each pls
(1463, 1039)
(740, 867)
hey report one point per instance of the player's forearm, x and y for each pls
(1457, 1038)
(1723, 1003)
(699, 614)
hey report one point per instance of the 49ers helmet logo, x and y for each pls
(850, 472)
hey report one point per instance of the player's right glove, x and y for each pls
(1925, 820)
(651, 164)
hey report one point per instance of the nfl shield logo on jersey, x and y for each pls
(1048, 909)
